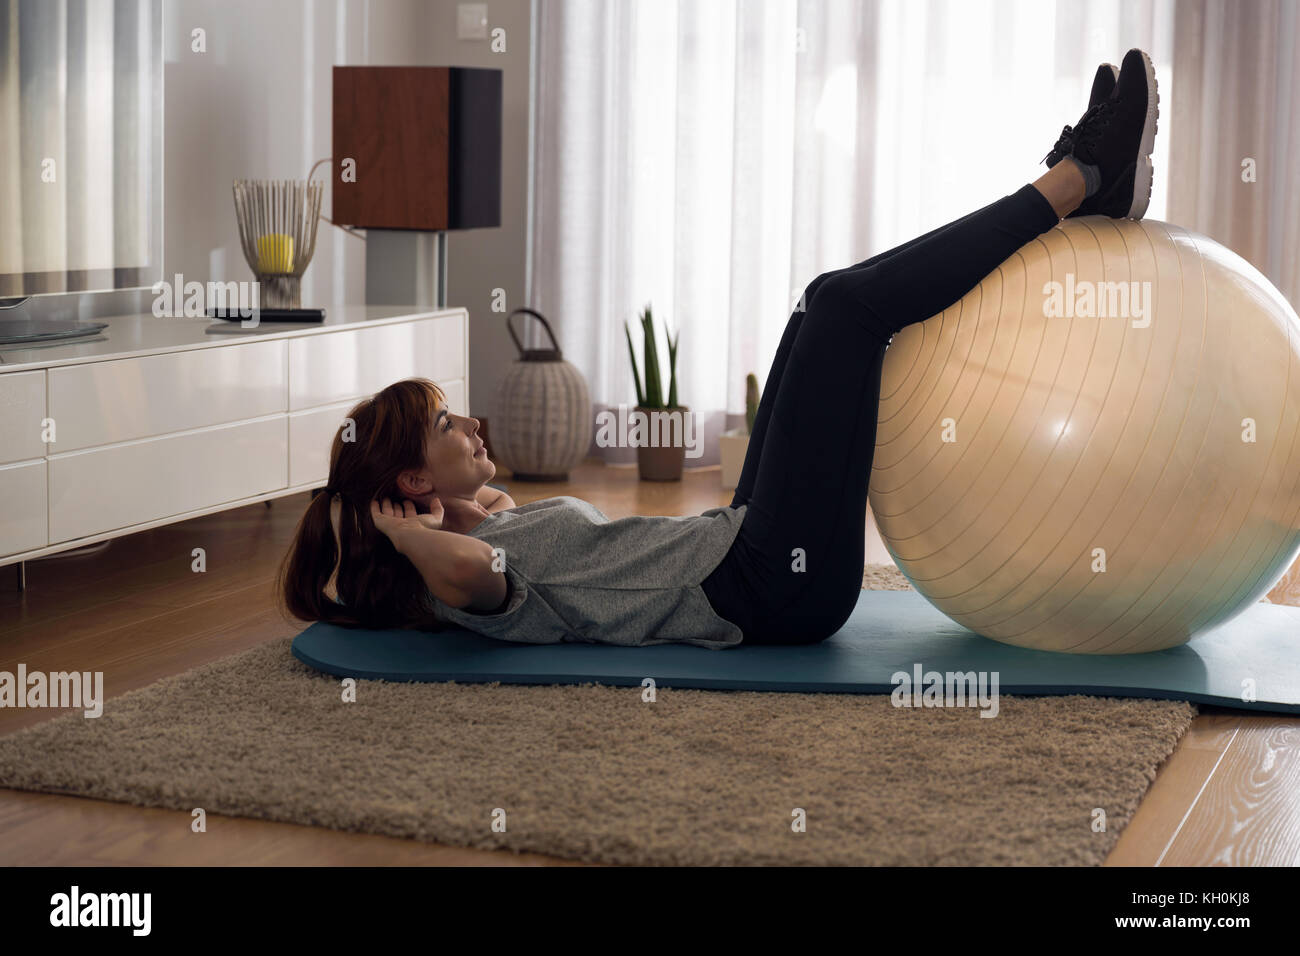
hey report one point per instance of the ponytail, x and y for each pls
(307, 567)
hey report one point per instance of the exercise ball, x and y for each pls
(1096, 450)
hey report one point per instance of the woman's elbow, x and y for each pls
(475, 578)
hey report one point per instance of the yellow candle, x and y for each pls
(275, 253)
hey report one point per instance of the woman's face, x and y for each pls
(456, 463)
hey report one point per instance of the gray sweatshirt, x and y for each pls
(574, 575)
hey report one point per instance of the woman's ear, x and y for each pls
(414, 484)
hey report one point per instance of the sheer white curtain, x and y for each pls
(712, 158)
(1238, 100)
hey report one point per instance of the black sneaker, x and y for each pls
(1103, 84)
(1103, 87)
(1117, 136)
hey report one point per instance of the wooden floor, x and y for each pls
(1230, 794)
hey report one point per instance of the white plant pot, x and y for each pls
(732, 446)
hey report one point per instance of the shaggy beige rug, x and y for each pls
(596, 773)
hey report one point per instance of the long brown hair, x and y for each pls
(379, 588)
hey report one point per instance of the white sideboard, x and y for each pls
(157, 420)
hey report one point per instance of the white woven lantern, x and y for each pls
(541, 426)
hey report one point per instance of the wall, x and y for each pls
(481, 260)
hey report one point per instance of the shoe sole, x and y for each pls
(1143, 173)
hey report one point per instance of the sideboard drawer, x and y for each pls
(311, 436)
(455, 393)
(22, 507)
(105, 402)
(22, 412)
(324, 369)
(135, 482)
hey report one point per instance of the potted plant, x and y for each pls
(657, 460)
(734, 444)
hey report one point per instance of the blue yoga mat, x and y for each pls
(890, 631)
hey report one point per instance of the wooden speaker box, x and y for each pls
(426, 141)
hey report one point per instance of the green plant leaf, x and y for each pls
(752, 398)
(636, 372)
(654, 393)
(672, 369)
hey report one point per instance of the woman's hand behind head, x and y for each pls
(435, 517)
(397, 521)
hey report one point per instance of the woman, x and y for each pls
(783, 563)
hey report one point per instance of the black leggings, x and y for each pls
(794, 572)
